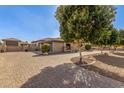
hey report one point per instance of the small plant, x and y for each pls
(26, 50)
(45, 48)
(87, 46)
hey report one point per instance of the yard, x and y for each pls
(27, 69)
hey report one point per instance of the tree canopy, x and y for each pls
(84, 23)
(121, 35)
(114, 37)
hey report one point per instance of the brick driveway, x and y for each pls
(16, 68)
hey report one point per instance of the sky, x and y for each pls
(119, 18)
(29, 23)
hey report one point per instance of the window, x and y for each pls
(68, 46)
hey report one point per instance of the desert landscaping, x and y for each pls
(27, 69)
(65, 46)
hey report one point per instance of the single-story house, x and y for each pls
(12, 44)
(25, 46)
(57, 45)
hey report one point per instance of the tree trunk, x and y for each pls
(101, 49)
(80, 57)
(80, 50)
(115, 48)
(110, 49)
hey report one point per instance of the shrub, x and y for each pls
(87, 46)
(26, 50)
(45, 48)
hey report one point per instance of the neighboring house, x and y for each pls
(25, 46)
(12, 44)
(57, 45)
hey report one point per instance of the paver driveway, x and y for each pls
(16, 68)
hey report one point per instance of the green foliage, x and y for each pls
(45, 48)
(88, 46)
(121, 35)
(104, 39)
(114, 37)
(122, 41)
(84, 22)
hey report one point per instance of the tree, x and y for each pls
(103, 41)
(114, 38)
(84, 23)
(121, 35)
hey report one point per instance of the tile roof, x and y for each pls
(49, 40)
(11, 39)
(26, 42)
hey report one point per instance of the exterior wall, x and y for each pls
(34, 46)
(25, 47)
(57, 47)
(12, 43)
(74, 47)
(12, 47)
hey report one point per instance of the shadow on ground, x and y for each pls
(120, 54)
(111, 60)
(69, 76)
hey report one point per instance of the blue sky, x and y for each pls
(36, 22)
(119, 19)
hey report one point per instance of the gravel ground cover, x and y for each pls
(18, 68)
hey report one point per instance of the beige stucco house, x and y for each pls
(13, 44)
(25, 46)
(57, 45)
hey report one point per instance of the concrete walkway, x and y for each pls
(16, 68)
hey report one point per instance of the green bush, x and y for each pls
(45, 48)
(87, 46)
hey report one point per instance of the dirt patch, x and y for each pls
(120, 54)
(107, 66)
(111, 60)
(86, 60)
(104, 72)
(68, 75)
